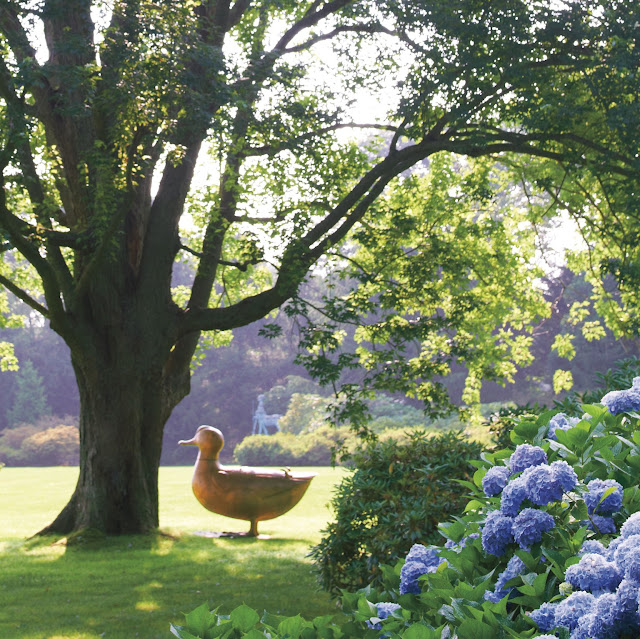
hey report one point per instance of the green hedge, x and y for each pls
(287, 449)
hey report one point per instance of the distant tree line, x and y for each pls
(42, 394)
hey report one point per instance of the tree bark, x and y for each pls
(126, 398)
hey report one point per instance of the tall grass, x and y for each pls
(126, 587)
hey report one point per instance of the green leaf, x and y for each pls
(254, 633)
(418, 631)
(366, 608)
(475, 629)
(293, 627)
(243, 618)
(540, 583)
(562, 380)
(182, 633)
(478, 475)
(578, 435)
(527, 430)
(474, 504)
(563, 345)
(199, 620)
(453, 530)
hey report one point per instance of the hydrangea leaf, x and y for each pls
(418, 631)
(199, 620)
(244, 618)
(293, 626)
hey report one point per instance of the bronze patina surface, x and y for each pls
(252, 494)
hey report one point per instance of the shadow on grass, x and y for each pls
(127, 587)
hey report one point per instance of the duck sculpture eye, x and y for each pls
(252, 494)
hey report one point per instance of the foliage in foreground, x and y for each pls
(528, 537)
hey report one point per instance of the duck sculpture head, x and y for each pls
(252, 494)
(209, 440)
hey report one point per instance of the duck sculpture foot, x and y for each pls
(228, 535)
(252, 494)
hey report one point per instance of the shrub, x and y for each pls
(287, 449)
(265, 450)
(51, 441)
(57, 446)
(395, 496)
(11, 441)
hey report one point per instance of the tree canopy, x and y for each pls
(135, 133)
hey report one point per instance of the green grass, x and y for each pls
(126, 587)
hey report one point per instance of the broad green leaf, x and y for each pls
(293, 626)
(183, 633)
(199, 620)
(244, 618)
(418, 631)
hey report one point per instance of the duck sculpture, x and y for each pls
(252, 494)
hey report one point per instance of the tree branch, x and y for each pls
(273, 150)
(237, 11)
(355, 28)
(12, 225)
(16, 36)
(241, 266)
(309, 20)
(24, 296)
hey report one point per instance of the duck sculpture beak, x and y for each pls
(187, 442)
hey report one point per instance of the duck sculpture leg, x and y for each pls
(252, 494)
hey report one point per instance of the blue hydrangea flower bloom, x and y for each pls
(495, 480)
(592, 546)
(545, 616)
(564, 475)
(494, 597)
(594, 573)
(541, 485)
(631, 526)
(623, 401)
(497, 534)
(384, 610)
(409, 575)
(603, 525)
(514, 493)
(569, 611)
(627, 596)
(419, 561)
(513, 569)
(626, 551)
(526, 455)
(560, 422)
(529, 525)
(606, 617)
(583, 629)
(611, 504)
(422, 554)
(612, 547)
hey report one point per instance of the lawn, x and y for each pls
(120, 588)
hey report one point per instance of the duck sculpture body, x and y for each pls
(252, 494)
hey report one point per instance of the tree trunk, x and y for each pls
(125, 402)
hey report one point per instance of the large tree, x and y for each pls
(114, 114)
